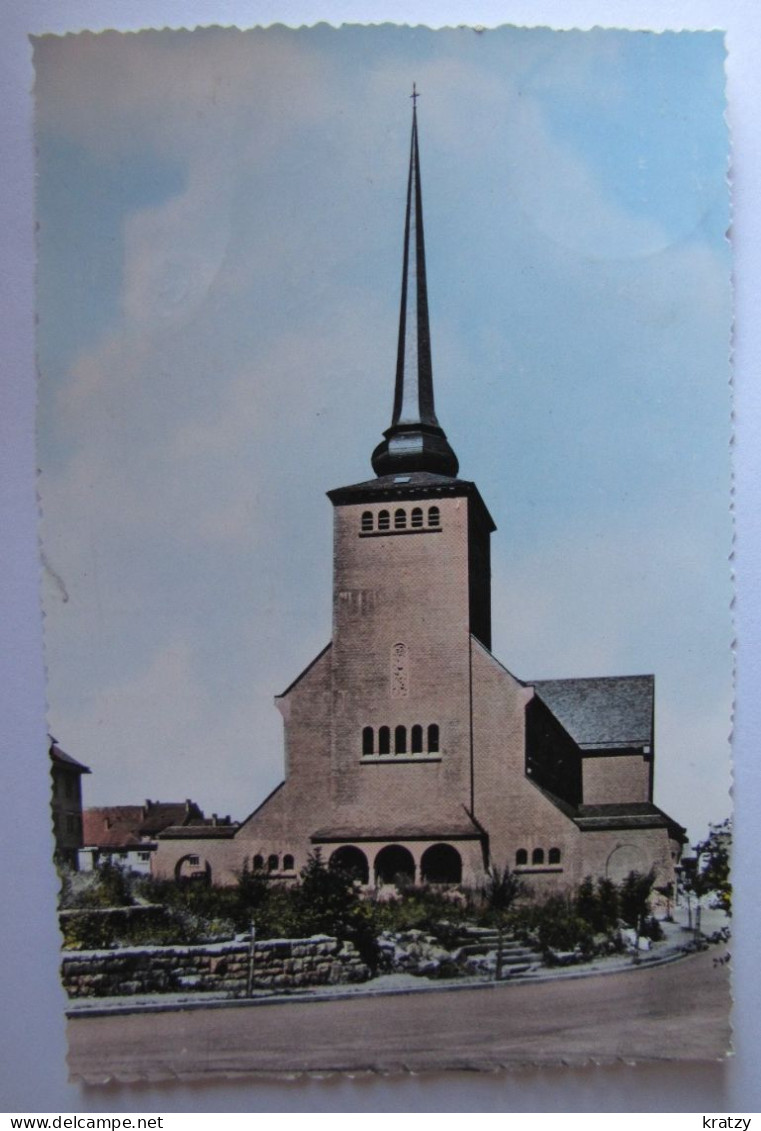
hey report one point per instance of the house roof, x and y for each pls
(158, 815)
(606, 712)
(60, 757)
(111, 826)
(118, 826)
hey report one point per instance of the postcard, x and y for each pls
(384, 417)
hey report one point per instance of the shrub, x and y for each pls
(421, 908)
(634, 898)
(598, 904)
(107, 886)
(558, 927)
(651, 929)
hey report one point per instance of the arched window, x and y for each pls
(368, 741)
(434, 516)
(384, 741)
(433, 738)
(554, 856)
(272, 863)
(537, 856)
(416, 518)
(521, 857)
(417, 739)
(384, 520)
(400, 519)
(258, 863)
(400, 740)
(289, 865)
(367, 520)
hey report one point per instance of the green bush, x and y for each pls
(598, 904)
(107, 886)
(100, 928)
(422, 908)
(651, 929)
(634, 897)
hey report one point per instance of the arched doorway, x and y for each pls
(394, 863)
(192, 867)
(625, 858)
(353, 861)
(441, 864)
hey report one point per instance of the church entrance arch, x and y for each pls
(625, 858)
(352, 860)
(393, 864)
(441, 864)
(193, 868)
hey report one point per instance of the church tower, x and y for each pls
(411, 584)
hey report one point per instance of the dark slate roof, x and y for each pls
(602, 713)
(62, 758)
(417, 484)
(629, 815)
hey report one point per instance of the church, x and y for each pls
(410, 749)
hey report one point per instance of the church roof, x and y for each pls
(629, 815)
(420, 484)
(462, 829)
(415, 441)
(602, 713)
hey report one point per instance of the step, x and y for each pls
(489, 945)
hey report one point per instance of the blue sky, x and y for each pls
(220, 250)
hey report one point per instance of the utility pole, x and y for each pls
(251, 950)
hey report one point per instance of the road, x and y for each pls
(677, 1011)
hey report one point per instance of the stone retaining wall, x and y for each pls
(221, 968)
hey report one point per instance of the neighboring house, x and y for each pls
(125, 835)
(66, 805)
(411, 751)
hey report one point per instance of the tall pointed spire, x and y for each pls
(415, 441)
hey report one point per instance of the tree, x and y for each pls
(597, 904)
(328, 901)
(708, 870)
(500, 892)
(634, 901)
(714, 855)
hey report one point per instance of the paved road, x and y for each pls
(677, 1011)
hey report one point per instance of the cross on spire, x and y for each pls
(415, 441)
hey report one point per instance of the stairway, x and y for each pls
(481, 942)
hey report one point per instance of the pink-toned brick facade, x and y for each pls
(409, 749)
(403, 656)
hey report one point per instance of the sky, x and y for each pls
(220, 234)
